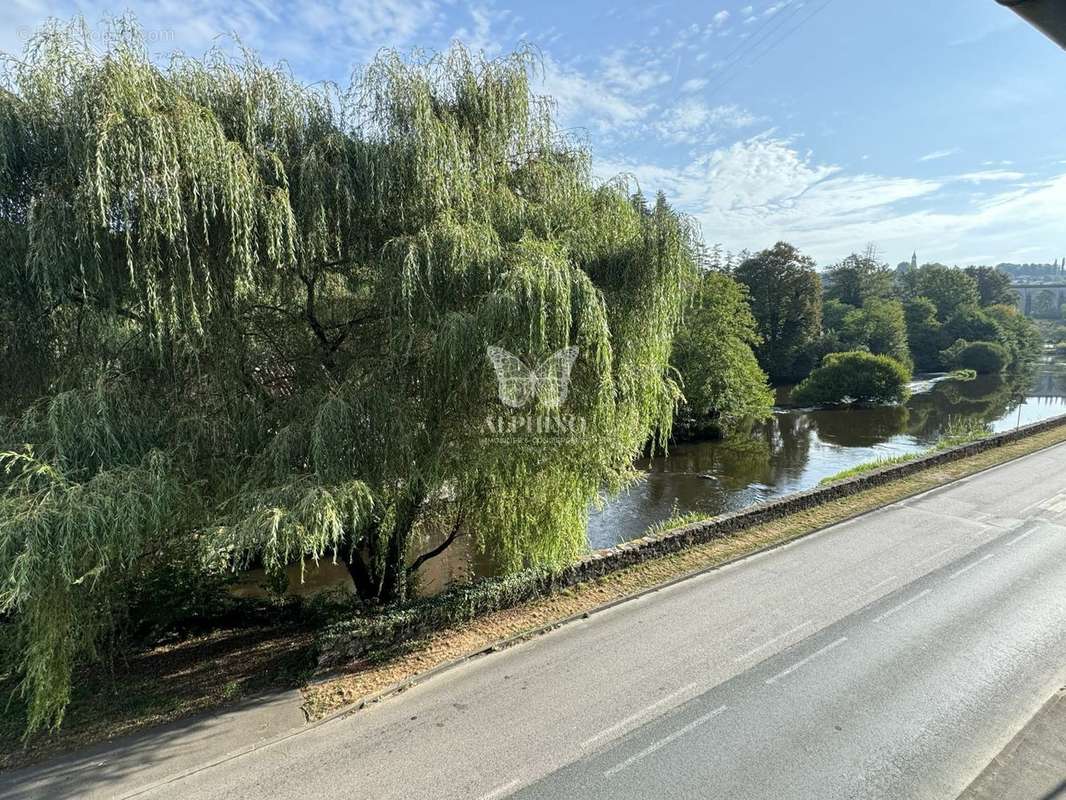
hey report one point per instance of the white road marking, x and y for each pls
(777, 638)
(902, 605)
(1017, 539)
(647, 751)
(968, 567)
(809, 658)
(934, 556)
(499, 791)
(642, 713)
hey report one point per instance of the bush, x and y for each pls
(854, 376)
(982, 357)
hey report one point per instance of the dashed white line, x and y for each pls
(1017, 539)
(634, 717)
(968, 567)
(777, 638)
(499, 791)
(902, 605)
(806, 660)
(647, 751)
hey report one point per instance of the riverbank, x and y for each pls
(227, 667)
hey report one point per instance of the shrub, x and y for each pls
(982, 357)
(854, 376)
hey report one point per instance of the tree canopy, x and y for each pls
(249, 319)
(786, 300)
(859, 278)
(722, 381)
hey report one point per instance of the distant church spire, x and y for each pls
(914, 260)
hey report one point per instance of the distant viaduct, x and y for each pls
(1040, 299)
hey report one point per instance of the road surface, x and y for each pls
(891, 656)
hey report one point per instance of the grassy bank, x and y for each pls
(216, 670)
(954, 436)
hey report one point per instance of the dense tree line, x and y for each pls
(928, 318)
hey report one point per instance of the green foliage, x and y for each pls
(923, 333)
(384, 629)
(993, 286)
(880, 327)
(973, 324)
(833, 314)
(950, 290)
(786, 299)
(1044, 305)
(260, 312)
(1018, 334)
(982, 357)
(857, 279)
(856, 377)
(722, 381)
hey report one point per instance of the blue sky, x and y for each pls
(929, 125)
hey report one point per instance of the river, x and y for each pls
(796, 448)
(792, 450)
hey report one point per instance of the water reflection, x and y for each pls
(796, 448)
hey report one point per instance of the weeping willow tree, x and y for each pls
(248, 318)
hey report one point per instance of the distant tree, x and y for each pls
(923, 333)
(1019, 334)
(1044, 303)
(786, 299)
(982, 357)
(722, 381)
(858, 278)
(973, 324)
(833, 314)
(856, 377)
(993, 286)
(880, 327)
(950, 289)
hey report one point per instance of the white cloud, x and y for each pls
(316, 33)
(631, 75)
(692, 120)
(762, 189)
(693, 84)
(984, 176)
(479, 37)
(938, 154)
(584, 102)
(721, 18)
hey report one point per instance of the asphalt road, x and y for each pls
(887, 657)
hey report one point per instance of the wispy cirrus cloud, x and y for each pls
(691, 120)
(936, 155)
